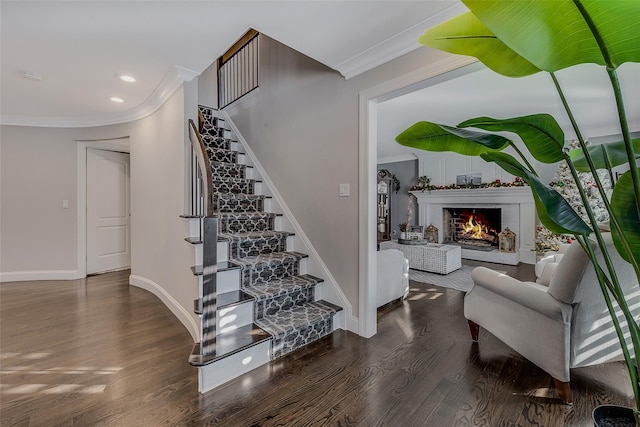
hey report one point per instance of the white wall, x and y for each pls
(208, 86)
(38, 239)
(160, 258)
(37, 172)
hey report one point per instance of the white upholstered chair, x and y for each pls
(562, 326)
(393, 276)
(547, 264)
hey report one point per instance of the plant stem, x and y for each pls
(612, 218)
(521, 154)
(614, 287)
(626, 135)
(633, 373)
(622, 116)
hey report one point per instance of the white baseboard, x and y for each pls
(22, 276)
(353, 323)
(173, 305)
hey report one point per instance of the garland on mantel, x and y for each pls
(518, 182)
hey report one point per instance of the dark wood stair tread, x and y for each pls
(227, 299)
(230, 343)
(198, 240)
(222, 266)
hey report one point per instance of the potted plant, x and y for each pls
(404, 227)
(423, 183)
(520, 38)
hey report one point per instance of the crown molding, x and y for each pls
(395, 46)
(397, 158)
(175, 77)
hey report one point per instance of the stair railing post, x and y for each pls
(209, 284)
(209, 244)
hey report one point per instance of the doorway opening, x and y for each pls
(444, 70)
(110, 223)
(108, 211)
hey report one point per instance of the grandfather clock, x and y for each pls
(384, 209)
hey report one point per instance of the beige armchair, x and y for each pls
(562, 326)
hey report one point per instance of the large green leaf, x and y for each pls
(434, 137)
(555, 34)
(541, 133)
(604, 156)
(625, 208)
(466, 35)
(553, 210)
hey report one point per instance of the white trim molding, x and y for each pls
(173, 305)
(368, 164)
(397, 158)
(395, 46)
(23, 276)
(175, 77)
(121, 144)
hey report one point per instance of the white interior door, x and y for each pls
(108, 212)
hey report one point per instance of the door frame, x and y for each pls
(120, 144)
(368, 164)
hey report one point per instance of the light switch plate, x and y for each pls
(344, 190)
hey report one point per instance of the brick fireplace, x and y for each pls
(502, 207)
(475, 228)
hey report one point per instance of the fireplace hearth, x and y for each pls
(476, 228)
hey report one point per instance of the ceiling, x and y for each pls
(477, 91)
(78, 47)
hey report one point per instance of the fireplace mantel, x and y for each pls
(518, 213)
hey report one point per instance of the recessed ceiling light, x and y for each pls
(116, 99)
(126, 78)
(31, 76)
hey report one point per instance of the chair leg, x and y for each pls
(474, 328)
(564, 391)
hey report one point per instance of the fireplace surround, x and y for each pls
(517, 211)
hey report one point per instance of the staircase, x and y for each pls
(265, 306)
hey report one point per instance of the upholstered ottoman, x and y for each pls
(431, 257)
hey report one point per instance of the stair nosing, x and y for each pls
(241, 298)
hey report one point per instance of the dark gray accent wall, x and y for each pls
(403, 205)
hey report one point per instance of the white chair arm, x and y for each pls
(528, 294)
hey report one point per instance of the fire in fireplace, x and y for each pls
(476, 227)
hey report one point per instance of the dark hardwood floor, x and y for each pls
(96, 352)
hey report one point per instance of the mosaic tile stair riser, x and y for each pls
(284, 305)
